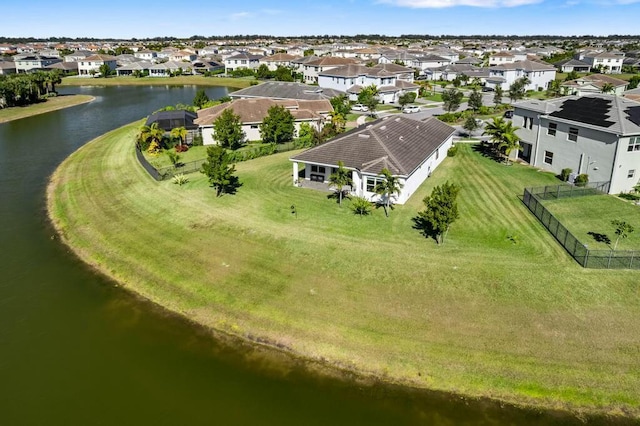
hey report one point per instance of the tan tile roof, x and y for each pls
(254, 110)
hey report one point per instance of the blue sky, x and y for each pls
(128, 19)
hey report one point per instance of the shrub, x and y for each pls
(361, 206)
(180, 179)
(451, 152)
(581, 180)
(485, 110)
(564, 174)
(174, 158)
(448, 117)
(197, 140)
(182, 148)
(153, 148)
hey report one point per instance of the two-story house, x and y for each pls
(242, 60)
(391, 80)
(90, 66)
(278, 60)
(311, 69)
(539, 74)
(606, 62)
(34, 62)
(598, 135)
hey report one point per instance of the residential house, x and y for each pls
(426, 62)
(183, 56)
(509, 57)
(34, 63)
(594, 83)
(242, 60)
(278, 60)
(411, 150)
(201, 66)
(90, 66)
(311, 69)
(7, 67)
(166, 69)
(285, 90)
(391, 80)
(595, 134)
(606, 62)
(252, 112)
(67, 68)
(141, 67)
(146, 54)
(168, 120)
(77, 56)
(539, 74)
(571, 64)
(633, 94)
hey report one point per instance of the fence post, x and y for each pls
(586, 258)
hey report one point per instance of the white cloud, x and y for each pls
(438, 4)
(240, 15)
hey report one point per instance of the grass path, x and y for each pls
(51, 104)
(481, 315)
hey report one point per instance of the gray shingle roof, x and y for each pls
(400, 144)
(285, 90)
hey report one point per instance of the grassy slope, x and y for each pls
(51, 104)
(479, 315)
(199, 80)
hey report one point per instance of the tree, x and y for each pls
(518, 89)
(277, 126)
(149, 135)
(179, 133)
(623, 229)
(386, 187)
(502, 133)
(475, 100)
(406, 98)
(555, 88)
(340, 104)
(470, 124)
(308, 135)
(218, 169)
(227, 129)
(368, 96)
(105, 70)
(608, 88)
(200, 99)
(282, 74)
(633, 82)
(509, 142)
(339, 179)
(263, 72)
(573, 75)
(452, 99)
(441, 210)
(54, 77)
(497, 95)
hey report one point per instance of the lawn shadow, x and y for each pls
(487, 150)
(335, 195)
(424, 227)
(600, 238)
(232, 187)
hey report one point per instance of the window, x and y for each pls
(318, 169)
(573, 134)
(634, 144)
(552, 129)
(631, 173)
(548, 157)
(372, 182)
(528, 122)
(255, 126)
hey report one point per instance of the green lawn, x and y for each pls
(481, 315)
(51, 104)
(182, 80)
(593, 214)
(435, 98)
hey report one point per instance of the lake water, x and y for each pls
(75, 349)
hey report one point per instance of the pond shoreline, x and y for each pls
(54, 103)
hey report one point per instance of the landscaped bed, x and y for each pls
(499, 311)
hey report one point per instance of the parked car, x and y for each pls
(411, 109)
(508, 114)
(360, 107)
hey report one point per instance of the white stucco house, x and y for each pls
(90, 66)
(595, 134)
(539, 74)
(391, 80)
(252, 112)
(409, 149)
(312, 69)
(242, 60)
(594, 83)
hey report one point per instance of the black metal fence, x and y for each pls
(598, 259)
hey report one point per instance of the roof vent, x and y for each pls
(364, 136)
(383, 127)
(401, 138)
(397, 120)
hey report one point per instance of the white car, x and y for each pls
(411, 109)
(360, 107)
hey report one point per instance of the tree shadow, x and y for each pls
(232, 187)
(488, 150)
(424, 227)
(600, 238)
(335, 195)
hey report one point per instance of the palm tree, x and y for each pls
(151, 133)
(608, 88)
(179, 133)
(503, 136)
(386, 187)
(555, 88)
(339, 179)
